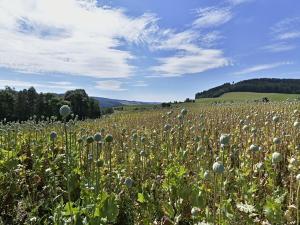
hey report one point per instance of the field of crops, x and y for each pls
(222, 164)
(249, 97)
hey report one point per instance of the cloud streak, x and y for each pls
(262, 67)
(110, 85)
(47, 85)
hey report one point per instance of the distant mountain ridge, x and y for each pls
(108, 102)
(262, 85)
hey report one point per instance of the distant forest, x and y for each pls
(264, 85)
(27, 103)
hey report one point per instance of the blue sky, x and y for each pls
(150, 50)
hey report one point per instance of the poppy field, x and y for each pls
(211, 164)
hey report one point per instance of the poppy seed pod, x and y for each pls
(275, 119)
(128, 182)
(97, 137)
(167, 127)
(224, 139)
(293, 162)
(218, 167)
(143, 153)
(180, 117)
(276, 157)
(195, 211)
(297, 124)
(90, 139)
(245, 127)
(276, 141)
(254, 148)
(206, 175)
(64, 111)
(53, 135)
(183, 112)
(298, 177)
(109, 138)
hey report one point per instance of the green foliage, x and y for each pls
(25, 104)
(264, 85)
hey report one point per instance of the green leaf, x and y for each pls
(107, 208)
(141, 198)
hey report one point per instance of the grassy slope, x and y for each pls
(248, 96)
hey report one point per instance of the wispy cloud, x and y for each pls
(69, 37)
(110, 85)
(190, 62)
(262, 67)
(279, 47)
(48, 85)
(283, 33)
(238, 2)
(286, 25)
(139, 84)
(212, 17)
(192, 50)
(289, 35)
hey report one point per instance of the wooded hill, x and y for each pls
(263, 85)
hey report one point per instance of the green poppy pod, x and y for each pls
(65, 111)
(245, 128)
(276, 141)
(53, 135)
(183, 112)
(298, 177)
(90, 139)
(293, 161)
(218, 167)
(109, 138)
(206, 175)
(80, 140)
(224, 139)
(142, 153)
(297, 124)
(128, 182)
(195, 211)
(97, 137)
(275, 119)
(276, 157)
(167, 127)
(180, 117)
(254, 148)
(134, 136)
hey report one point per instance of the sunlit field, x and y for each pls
(204, 164)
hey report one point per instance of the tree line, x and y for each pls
(263, 85)
(24, 104)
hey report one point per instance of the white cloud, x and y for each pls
(110, 85)
(190, 62)
(140, 84)
(279, 47)
(212, 17)
(262, 67)
(189, 53)
(286, 30)
(287, 24)
(70, 36)
(289, 35)
(238, 2)
(47, 85)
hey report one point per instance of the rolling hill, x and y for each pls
(108, 102)
(263, 85)
(249, 96)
